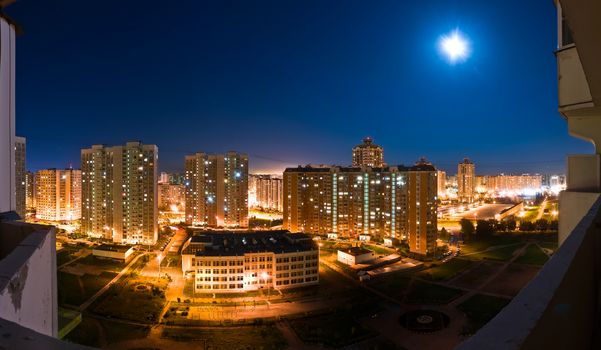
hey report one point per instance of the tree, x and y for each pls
(511, 225)
(484, 228)
(542, 225)
(501, 226)
(527, 226)
(467, 228)
(554, 225)
(443, 234)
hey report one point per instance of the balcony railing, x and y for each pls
(560, 307)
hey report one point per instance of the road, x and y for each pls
(541, 209)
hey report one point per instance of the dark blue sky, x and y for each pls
(292, 82)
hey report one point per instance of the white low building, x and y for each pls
(332, 236)
(355, 255)
(114, 251)
(226, 262)
(364, 238)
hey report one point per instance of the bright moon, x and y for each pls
(454, 46)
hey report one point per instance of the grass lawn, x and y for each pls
(107, 264)
(530, 213)
(427, 293)
(75, 290)
(379, 250)
(88, 333)
(118, 332)
(549, 245)
(480, 309)
(64, 256)
(335, 329)
(501, 254)
(125, 301)
(533, 256)
(238, 338)
(446, 270)
(478, 244)
(392, 285)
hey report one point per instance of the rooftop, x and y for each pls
(228, 243)
(419, 166)
(113, 248)
(356, 251)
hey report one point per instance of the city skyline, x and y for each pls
(373, 84)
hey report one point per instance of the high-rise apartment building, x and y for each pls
(170, 194)
(58, 194)
(368, 154)
(266, 191)
(119, 192)
(217, 189)
(394, 201)
(441, 178)
(163, 178)
(466, 180)
(20, 154)
(509, 184)
(29, 191)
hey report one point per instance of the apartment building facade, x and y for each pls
(58, 194)
(266, 191)
(217, 189)
(20, 156)
(119, 192)
(466, 180)
(368, 154)
(391, 202)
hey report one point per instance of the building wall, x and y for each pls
(171, 194)
(266, 191)
(422, 221)
(394, 202)
(510, 183)
(119, 192)
(20, 156)
(7, 117)
(252, 271)
(368, 154)
(29, 191)
(217, 189)
(466, 180)
(350, 259)
(28, 283)
(58, 194)
(442, 183)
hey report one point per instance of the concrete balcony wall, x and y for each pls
(28, 293)
(574, 91)
(560, 307)
(7, 116)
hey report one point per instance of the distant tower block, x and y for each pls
(368, 154)
(466, 180)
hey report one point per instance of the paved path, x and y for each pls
(85, 305)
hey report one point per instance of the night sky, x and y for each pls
(292, 82)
